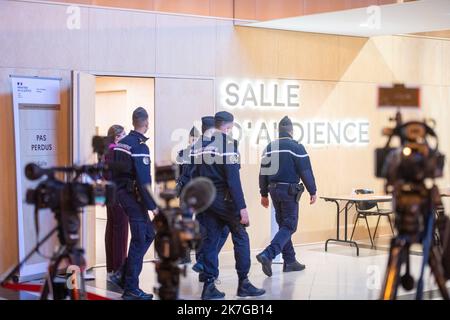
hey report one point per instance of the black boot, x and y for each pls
(201, 277)
(210, 292)
(118, 279)
(266, 263)
(293, 266)
(247, 289)
(136, 294)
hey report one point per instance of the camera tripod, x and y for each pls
(67, 230)
(399, 254)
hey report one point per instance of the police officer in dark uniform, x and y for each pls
(208, 125)
(131, 182)
(184, 162)
(218, 159)
(284, 163)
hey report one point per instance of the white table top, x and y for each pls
(360, 197)
(445, 192)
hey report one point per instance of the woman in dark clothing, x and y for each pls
(116, 234)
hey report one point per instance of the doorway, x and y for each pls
(115, 100)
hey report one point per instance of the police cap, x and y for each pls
(223, 116)
(207, 123)
(285, 125)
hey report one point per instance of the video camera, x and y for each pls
(415, 160)
(410, 170)
(66, 199)
(176, 231)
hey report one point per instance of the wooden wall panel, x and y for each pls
(245, 52)
(196, 7)
(130, 4)
(185, 45)
(30, 39)
(269, 9)
(366, 60)
(415, 60)
(446, 63)
(221, 8)
(308, 56)
(8, 207)
(245, 9)
(240, 9)
(84, 2)
(122, 41)
(319, 6)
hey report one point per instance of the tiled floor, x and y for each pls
(336, 274)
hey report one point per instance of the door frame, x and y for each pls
(74, 131)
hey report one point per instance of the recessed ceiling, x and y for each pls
(401, 18)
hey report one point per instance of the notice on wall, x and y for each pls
(37, 106)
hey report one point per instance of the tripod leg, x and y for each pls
(389, 291)
(49, 284)
(438, 272)
(78, 289)
(28, 256)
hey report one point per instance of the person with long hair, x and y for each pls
(116, 234)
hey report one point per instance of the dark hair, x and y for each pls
(194, 132)
(140, 115)
(113, 132)
(219, 123)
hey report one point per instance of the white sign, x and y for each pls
(312, 132)
(270, 94)
(36, 113)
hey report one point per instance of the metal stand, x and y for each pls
(399, 254)
(13, 274)
(68, 251)
(169, 279)
(338, 239)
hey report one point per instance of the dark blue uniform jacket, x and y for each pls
(184, 166)
(134, 175)
(285, 160)
(217, 158)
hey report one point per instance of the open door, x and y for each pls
(83, 129)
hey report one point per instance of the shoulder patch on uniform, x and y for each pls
(234, 159)
(146, 160)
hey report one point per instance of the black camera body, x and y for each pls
(54, 194)
(412, 162)
(177, 232)
(67, 198)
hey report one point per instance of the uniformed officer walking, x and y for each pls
(218, 159)
(207, 132)
(184, 162)
(131, 180)
(284, 163)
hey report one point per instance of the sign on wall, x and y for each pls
(259, 104)
(36, 103)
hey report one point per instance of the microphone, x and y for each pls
(34, 172)
(198, 194)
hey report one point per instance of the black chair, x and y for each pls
(370, 208)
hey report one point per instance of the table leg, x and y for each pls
(345, 228)
(337, 226)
